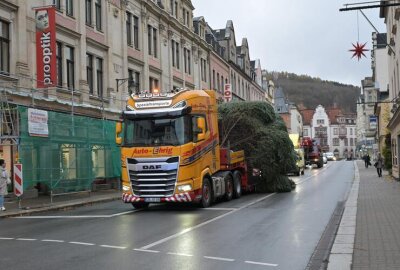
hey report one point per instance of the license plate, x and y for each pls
(152, 200)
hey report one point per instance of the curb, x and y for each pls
(341, 255)
(61, 206)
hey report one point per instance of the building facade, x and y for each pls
(106, 50)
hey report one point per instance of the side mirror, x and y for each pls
(118, 130)
(201, 125)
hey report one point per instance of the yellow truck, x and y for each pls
(170, 151)
(300, 160)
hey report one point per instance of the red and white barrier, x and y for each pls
(18, 180)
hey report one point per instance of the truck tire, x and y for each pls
(237, 184)
(206, 194)
(228, 187)
(140, 205)
(302, 172)
(298, 172)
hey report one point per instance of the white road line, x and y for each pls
(219, 259)
(54, 241)
(82, 243)
(66, 217)
(124, 213)
(219, 209)
(116, 247)
(6, 238)
(26, 239)
(146, 250)
(261, 263)
(203, 224)
(180, 254)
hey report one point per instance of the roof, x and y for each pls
(333, 115)
(307, 116)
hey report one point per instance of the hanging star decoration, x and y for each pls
(358, 50)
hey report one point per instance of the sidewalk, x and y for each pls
(377, 241)
(368, 236)
(43, 203)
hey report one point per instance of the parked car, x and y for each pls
(330, 156)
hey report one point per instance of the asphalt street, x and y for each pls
(257, 231)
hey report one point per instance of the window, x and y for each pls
(129, 29)
(176, 9)
(69, 56)
(320, 121)
(187, 60)
(335, 131)
(335, 142)
(346, 142)
(351, 131)
(88, 8)
(59, 64)
(97, 7)
(171, 6)
(305, 132)
(57, 4)
(136, 32)
(213, 79)
(99, 75)
(175, 54)
(218, 89)
(153, 84)
(351, 142)
(185, 17)
(203, 67)
(89, 72)
(134, 80)
(4, 47)
(152, 40)
(69, 8)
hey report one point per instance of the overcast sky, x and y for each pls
(301, 36)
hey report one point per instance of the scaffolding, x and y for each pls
(9, 132)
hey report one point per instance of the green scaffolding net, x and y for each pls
(77, 152)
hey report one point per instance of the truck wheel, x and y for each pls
(302, 172)
(206, 193)
(228, 187)
(140, 205)
(237, 184)
(298, 172)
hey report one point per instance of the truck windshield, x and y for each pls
(158, 132)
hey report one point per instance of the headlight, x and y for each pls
(126, 188)
(316, 159)
(185, 188)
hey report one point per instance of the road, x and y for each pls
(257, 231)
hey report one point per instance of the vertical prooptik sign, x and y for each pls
(46, 58)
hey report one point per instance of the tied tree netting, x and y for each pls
(255, 128)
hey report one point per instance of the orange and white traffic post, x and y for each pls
(18, 181)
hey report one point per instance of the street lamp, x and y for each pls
(132, 85)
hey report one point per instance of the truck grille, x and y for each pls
(153, 177)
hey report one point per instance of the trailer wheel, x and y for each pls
(237, 187)
(228, 187)
(206, 193)
(140, 205)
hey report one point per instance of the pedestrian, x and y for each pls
(4, 181)
(379, 164)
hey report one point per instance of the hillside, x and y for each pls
(308, 92)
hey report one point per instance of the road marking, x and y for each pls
(313, 175)
(82, 243)
(116, 247)
(52, 217)
(54, 241)
(180, 254)
(161, 241)
(261, 263)
(146, 250)
(26, 239)
(6, 238)
(219, 209)
(219, 259)
(124, 213)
